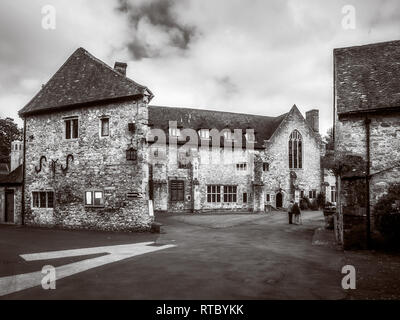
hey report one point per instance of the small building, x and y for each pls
(11, 188)
(367, 133)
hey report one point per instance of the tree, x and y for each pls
(328, 139)
(9, 132)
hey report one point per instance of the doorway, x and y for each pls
(279, 200)
(9, 216)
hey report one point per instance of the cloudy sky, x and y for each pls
(253, 56)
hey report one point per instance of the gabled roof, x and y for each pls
(264, 127)
(82, 79)
(13, 178)
(367, 77)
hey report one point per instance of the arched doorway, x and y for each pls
(279, 199)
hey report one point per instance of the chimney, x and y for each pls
(312, 118)
(16, 154)
(120, 67)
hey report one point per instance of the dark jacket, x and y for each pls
(295, 209)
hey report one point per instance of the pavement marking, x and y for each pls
(15, 283)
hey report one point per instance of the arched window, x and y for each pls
(295, 151)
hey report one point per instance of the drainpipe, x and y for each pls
(367, 180)
(23, 176)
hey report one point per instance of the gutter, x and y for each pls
(23, 177)
(367, 179)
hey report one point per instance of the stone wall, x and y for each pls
(99, 163)
(350, 137)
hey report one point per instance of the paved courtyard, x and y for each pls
(241, 256)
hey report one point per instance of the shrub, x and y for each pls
(321, 199)
(387, 215)
(314, 205)
(305, 203)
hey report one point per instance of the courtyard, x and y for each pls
(225, 256)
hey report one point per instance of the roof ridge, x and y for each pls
(220, 111)
(374, 44)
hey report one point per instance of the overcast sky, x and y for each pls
(253, 56)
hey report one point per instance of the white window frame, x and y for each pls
(71, 118)
(93, 197)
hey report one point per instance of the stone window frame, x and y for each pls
(296, 150)
(214, 193)
(268, 197)
(312, 194)
(245, 197)
(70, 118)
(39, 192)
(333, 193)
(93, 191)
(230, 193)
(266, 166)
(241, 167)
(101, 127)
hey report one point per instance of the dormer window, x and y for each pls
(250, 137)
(204, 134)
(228, 135)
(174, 132)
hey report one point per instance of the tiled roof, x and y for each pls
(82, 79)
(15, 177)
(196, 119)
(367, 77)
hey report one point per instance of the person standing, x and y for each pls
(290, 211)
(297, 213)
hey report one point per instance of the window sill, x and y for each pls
(71, 140)
(95, 207)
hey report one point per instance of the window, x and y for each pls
(204, 134)
(268, 197)
(333, 193)
(230, 193)
(250, 137)
(213, 193)
(312, 194)
(241, 167)
(94, 198)
(245, 197)
(302, 194)
(43, 199)
(131, 154)
(295, 151)
(177, 191)
(228, 135)
(174, 132)
(105, 127)
(71, 128)
(183, 158)
(265, 166)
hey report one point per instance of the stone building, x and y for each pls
(271, 160)
(85, 149)
(96, 155)
(11, 188)
(367, 132)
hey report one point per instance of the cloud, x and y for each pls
(231, 55)
(152, 20)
